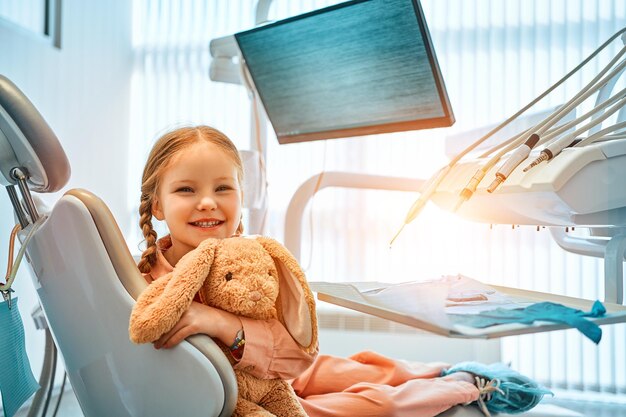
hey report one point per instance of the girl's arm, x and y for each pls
(200, 318)
(269, 352)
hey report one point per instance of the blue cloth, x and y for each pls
(520, 392)
(545, 311)
(17, 382)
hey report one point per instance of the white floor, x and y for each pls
(549, 408)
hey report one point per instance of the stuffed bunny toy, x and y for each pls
(254, 277)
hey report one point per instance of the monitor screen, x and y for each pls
(357, 68)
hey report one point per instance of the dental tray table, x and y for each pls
(357, 296)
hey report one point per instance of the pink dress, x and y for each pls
(366, 384)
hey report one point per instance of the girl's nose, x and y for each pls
(207, 203)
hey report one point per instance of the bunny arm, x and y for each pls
(160, 306)
(149, 319)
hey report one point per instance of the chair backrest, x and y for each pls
(87, 283)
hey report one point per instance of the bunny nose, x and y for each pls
(255, 296)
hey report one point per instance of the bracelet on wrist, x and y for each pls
(236, 349)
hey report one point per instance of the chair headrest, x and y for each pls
(27, 142)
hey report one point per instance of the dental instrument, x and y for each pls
(523, 151)
(513, 161)
(592, 87)
(555, 147)
(469, 189)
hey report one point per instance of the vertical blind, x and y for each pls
(495, 57)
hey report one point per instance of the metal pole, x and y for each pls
(19, 175)
(19, 211)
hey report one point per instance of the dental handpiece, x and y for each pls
(558, 145)
(516, 158)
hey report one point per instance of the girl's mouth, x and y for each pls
(207, 224)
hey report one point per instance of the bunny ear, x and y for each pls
(297, 304)
(162, 303)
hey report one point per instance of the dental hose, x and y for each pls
(468, 191)
(596, 83)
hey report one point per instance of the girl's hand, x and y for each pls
(200, 318)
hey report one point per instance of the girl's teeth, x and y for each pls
(206, 224)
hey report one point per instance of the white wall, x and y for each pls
(83, 91)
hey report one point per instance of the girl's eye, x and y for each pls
(223, 188)
(184, 190)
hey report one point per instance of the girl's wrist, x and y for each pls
(228, 327)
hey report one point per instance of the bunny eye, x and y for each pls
(229, 276)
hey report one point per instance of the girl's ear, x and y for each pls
(157, 211)
(296, 305)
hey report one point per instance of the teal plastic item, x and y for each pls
(17, 383)
(519, 393)
(545, 311)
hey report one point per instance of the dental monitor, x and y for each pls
(357, 68)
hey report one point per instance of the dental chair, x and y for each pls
(87, 281)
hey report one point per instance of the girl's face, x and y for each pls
(199, 196)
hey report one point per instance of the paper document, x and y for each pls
(422, 300)
(432, 301)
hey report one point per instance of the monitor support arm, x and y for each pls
(226, 66)
(262, 11)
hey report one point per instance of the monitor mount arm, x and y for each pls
(227, 66)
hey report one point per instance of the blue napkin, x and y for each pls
(518, 392)
(545, 311)
(17, 382)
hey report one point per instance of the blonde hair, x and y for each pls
(166, 148)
